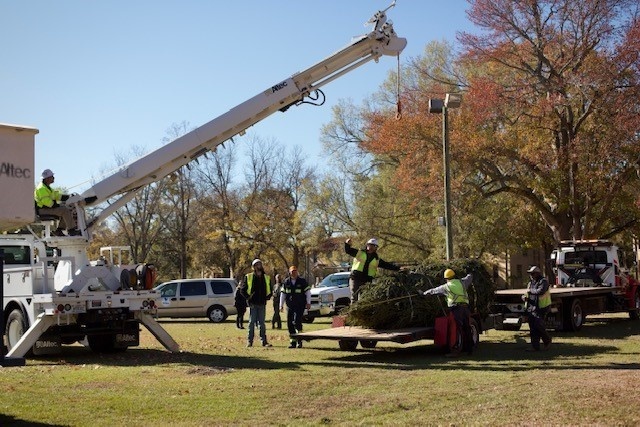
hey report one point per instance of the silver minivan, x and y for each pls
(212, 298)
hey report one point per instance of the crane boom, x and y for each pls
(122, 186)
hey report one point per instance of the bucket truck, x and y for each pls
(63, 297)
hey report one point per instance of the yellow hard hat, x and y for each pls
(449, 274)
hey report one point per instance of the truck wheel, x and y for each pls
(475, 332)
(217, 314)
(368, 343)
(347, 345)
(15, 328)
(573, 315)
(635, 313)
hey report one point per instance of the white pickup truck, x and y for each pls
(330, 296)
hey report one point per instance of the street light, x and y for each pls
(451, 100)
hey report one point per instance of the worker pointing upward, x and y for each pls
(365, 265)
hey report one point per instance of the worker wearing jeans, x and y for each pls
(256, 288)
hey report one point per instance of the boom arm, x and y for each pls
(124, 184)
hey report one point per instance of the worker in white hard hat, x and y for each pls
(48, 202)
(256, 288)
(365, 265)
(458, 302)
(537, 302)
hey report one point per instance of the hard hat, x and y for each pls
(47, 173)
(255, 261)
(534, 269)
(449, 274)
(372, 241)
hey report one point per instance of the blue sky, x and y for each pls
(100, 77)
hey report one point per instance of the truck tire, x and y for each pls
(216, 314)
(368, 343)
(15, 327)
(573, 315)
(635, 313)
(308, 319)
(347, 345)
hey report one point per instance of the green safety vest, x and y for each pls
(544, 300)
(45, 196)
(267, 280)
(358, 264)
(456, 294)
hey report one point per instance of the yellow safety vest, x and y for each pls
(267, 280)
(45, 196)
(360, 259)
(456, 294)
(544, 300)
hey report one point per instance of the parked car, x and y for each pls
(211, 298)
(330, 296)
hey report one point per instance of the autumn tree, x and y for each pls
(552, 93)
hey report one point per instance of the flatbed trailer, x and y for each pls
(349, 337)
(569, 305)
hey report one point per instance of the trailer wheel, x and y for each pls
(368, 343)
(307, 319)
(475, 332)
(573, 315)
(15, 327)
(635, 313)
(347, 345)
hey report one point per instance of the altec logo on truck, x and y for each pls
(589, 280)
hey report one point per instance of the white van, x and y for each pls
(211, 298)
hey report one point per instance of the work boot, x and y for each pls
(292, 344)
(249, 344)
(266, 344)
(299, 344)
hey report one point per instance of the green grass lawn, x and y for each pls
(585, 378)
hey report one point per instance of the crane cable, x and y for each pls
(398, 102)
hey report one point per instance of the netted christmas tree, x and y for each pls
(395, 300)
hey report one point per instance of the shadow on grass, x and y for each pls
(8, 420)
(152, 357)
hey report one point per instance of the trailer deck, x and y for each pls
(357, 333)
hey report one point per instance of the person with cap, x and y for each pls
(296, 294)
(277, 291)
(256, 288)
(365, 265)
(47, 202)
(458, 302)
(537, 301)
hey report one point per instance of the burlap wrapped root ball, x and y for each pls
(395, 300)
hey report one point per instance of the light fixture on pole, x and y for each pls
(451, 100)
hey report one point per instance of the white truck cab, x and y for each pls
(330, 296)
(578, 263)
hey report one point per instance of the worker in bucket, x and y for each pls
(537, 301)
(365, 265)
(296, 294)
(48, 203)
(458, 302)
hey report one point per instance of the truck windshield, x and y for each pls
(586, 257)
(334, 280)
